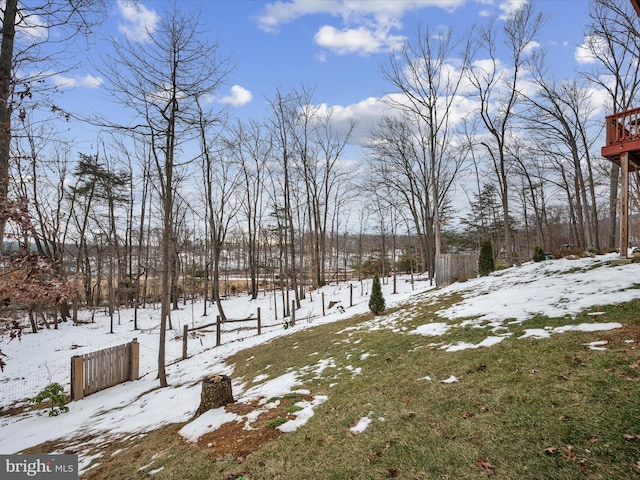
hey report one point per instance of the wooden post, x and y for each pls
(75, 308)
(624, 205)
(185, 332)
(323, 304)
(293, 313)
(134, 366)
(77, 377)
(275, 301)
(259, 322)
(351, 294)
(395, 281)
(217, 330)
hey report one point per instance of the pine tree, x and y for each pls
(376, 301)
(538, 254)
(486, 263)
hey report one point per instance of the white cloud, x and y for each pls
(366, 25)
(589, 50)
(88, 81)
(356, 40)
(531, 46)
(509, 7)
(239, 96)
(91, 81)
(138, 21)
(278, 13)
(32, 26)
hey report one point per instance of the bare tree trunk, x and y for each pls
(6, 64)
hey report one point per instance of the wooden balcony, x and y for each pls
(623, 135)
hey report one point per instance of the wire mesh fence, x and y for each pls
(24, 388)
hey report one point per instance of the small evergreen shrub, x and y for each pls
(538, 254)
(376, 301)
(55, 393)
(486, 264)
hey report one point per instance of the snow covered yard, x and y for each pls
(139, 406)
(492, 306)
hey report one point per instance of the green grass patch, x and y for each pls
(292, 408)
(292, 396)
(276, 422)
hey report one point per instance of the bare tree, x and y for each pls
(613, 41)
(561, 117)
(39, 176)
(221, 179)
(497, 90)
(251, 146)
(285, 111)
(400, 175)
(44, 21)
(429, 79)
(161, 80)
(330, 184)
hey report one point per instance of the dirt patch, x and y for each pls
(626, 338)
(238, 439)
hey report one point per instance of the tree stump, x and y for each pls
(216, 392)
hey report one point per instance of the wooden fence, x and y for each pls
(96, 371)
(218, 324)
(455, 267)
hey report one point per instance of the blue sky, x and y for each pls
(335, 47)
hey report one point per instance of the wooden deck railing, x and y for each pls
(623, 127)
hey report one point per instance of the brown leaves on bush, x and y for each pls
(29, 281)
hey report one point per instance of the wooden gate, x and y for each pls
(96, 371)
(455, 267)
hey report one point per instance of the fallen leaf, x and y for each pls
(592, 440)
(637, 465)
(393, 472)
(579, 361)
(550, 450)
(374, 456)
(564, 418)
(631, 437)
(583, 466)
(568, 454)
(467, 414)
(486, 466)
